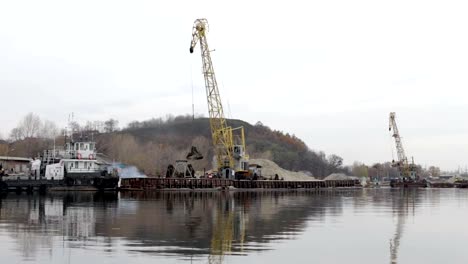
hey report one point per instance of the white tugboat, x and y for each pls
(72, 167)
(77, 165)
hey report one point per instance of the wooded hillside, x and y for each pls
(152, 145)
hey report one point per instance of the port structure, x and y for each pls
(406, 170)
(228, 142)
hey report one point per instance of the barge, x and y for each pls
(148, 184)
(408, 184)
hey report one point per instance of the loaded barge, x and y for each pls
(149, 184)
(154, 184)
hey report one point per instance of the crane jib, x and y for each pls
(222, 135)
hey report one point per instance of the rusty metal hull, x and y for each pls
(182, 183)
(461, 184)
(92, 184)
(440, 185)
(406, 184)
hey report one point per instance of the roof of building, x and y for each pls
(5, 158)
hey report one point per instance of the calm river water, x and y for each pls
(328, 226)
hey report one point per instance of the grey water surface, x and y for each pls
(324, 226)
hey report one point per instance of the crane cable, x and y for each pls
(391, 146)
(191, 80)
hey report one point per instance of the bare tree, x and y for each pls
(30, 125)
(89, 126)
(75, 127)
(16, 134)
(133, 125)
(111, 125)
(335, 161)
(49, 130)
(360, 169)
(434, 171)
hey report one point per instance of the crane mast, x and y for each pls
(405, 168)
(228, 155)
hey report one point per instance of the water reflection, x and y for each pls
(201, 226)
(214, 223)
(34, 220)
(182, 224)
(404, 203)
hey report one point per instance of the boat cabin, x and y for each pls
(81, 150)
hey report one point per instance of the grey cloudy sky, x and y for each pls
(328, 71)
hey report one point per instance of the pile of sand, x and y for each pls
(269, 169)
(456, 178)
(338, 176)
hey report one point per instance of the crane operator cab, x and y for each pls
(238, 151)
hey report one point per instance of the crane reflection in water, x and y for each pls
(403, 204)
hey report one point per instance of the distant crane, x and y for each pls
(406, 170)
(229, 150)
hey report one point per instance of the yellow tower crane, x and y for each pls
(229, 149)
(406, 169)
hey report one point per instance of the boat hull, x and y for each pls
(98, 183)
(408, 184)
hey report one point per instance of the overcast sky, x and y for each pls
(327, 71)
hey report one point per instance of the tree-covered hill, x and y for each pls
(153, 144)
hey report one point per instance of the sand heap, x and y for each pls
(338, 176)
(269, 169)
(456, 178)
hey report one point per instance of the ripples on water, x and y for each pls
(327, 226)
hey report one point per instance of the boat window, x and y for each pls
(91, 146)
(76, 164)
(81, 146)
(86, 146)
(76, 146)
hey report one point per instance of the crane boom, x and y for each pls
(222, 134)
(396, 134)
(406, 170)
